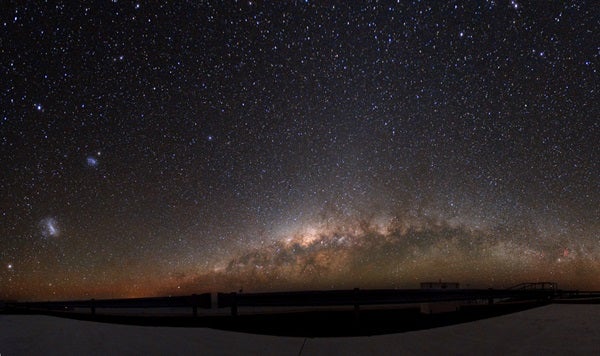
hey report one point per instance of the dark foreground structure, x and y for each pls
(311, 313)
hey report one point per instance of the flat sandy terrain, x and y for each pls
(558, 329)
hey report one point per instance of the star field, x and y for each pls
(156, 148)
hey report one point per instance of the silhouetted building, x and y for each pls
(440, 285)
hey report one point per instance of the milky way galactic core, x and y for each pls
(168, 148)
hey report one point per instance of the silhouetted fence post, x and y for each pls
(195, 304)
(93, 306)
(234, 306)
(356, 307)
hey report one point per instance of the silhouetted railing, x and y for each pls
(535, 285)
(193, 302)
(544, 291)
(359, 297)
(575, 296)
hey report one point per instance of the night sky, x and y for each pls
(170, 147)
